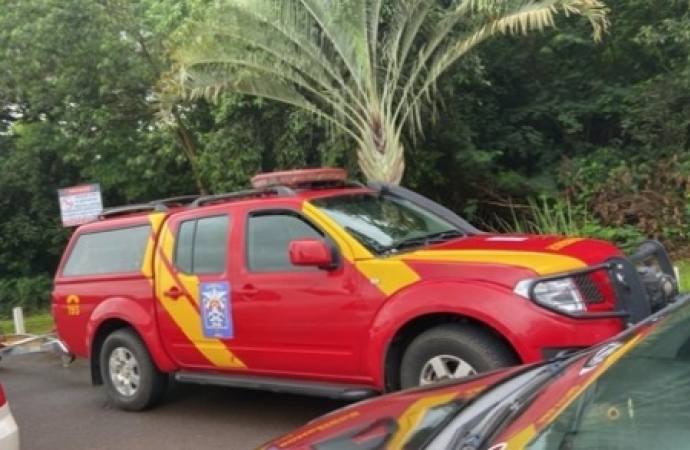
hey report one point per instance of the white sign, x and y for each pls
(80, 204)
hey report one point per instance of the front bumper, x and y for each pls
(9, 432)
(643, 283)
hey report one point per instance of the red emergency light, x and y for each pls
(299, 178)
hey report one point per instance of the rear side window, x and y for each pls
(201, 245)
(111, 251)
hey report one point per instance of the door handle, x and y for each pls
(174, 293)
(249, 290)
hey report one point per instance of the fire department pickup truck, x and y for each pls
(309, 283)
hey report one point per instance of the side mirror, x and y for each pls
(310, 252)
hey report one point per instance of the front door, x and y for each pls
(296, 320)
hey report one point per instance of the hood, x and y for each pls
(397, 418)
(584, 370)
(540, 254)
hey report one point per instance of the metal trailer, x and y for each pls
(22, 344)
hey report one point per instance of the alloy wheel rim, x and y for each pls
(445, 367)
(124, 371)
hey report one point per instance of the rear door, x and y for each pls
(193, 289)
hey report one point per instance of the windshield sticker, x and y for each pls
(216, 313)
(599, 357)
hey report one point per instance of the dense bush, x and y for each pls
(30, 293)
(640, 197)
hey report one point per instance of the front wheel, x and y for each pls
(452, 351)
(131, 378)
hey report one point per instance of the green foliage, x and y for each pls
(32, 294)
(251, 136)
(32, 236)
(642, 194)
(684, 274)
(550, 216)
(559, 216)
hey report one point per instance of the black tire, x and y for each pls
(148, 385)
(476, 347)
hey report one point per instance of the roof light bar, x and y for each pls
(297, 178)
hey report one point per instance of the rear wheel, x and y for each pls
(131, 378)
(452, 351)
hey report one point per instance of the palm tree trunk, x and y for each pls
(386, 168)
(381, 154)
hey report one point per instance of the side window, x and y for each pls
(201, 245)
(108, 252)
(269, 237)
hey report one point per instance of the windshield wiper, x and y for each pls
(365, 240)
(425, 239)
(477, 433)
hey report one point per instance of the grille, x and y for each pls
(590, 291)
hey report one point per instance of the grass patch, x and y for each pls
(684, 270)
(34, 324)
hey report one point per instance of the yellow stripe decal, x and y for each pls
(185, 311)
(156, 219)
(542, 263)
(409, 420)
(389, 275)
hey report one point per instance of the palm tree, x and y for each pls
(365, 67)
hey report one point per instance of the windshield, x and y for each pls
(386, 224)
(641, 401)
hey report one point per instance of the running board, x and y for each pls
(312, 388)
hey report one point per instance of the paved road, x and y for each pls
(57, 409)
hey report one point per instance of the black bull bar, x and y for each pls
(644, 283)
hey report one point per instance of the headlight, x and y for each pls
(560, 294)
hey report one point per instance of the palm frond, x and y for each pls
(343, 23)
(278, 28)
(266, 49)
(374, 8)
(518, 17)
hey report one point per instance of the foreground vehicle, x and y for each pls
(311, 284)
(9, 433)
(630, 392)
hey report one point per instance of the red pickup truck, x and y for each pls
(309, 283)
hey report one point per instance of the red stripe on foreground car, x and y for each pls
(9, 432)
(632, 391)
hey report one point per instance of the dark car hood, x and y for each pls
(403, 409)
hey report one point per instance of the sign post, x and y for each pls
(80, 204)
